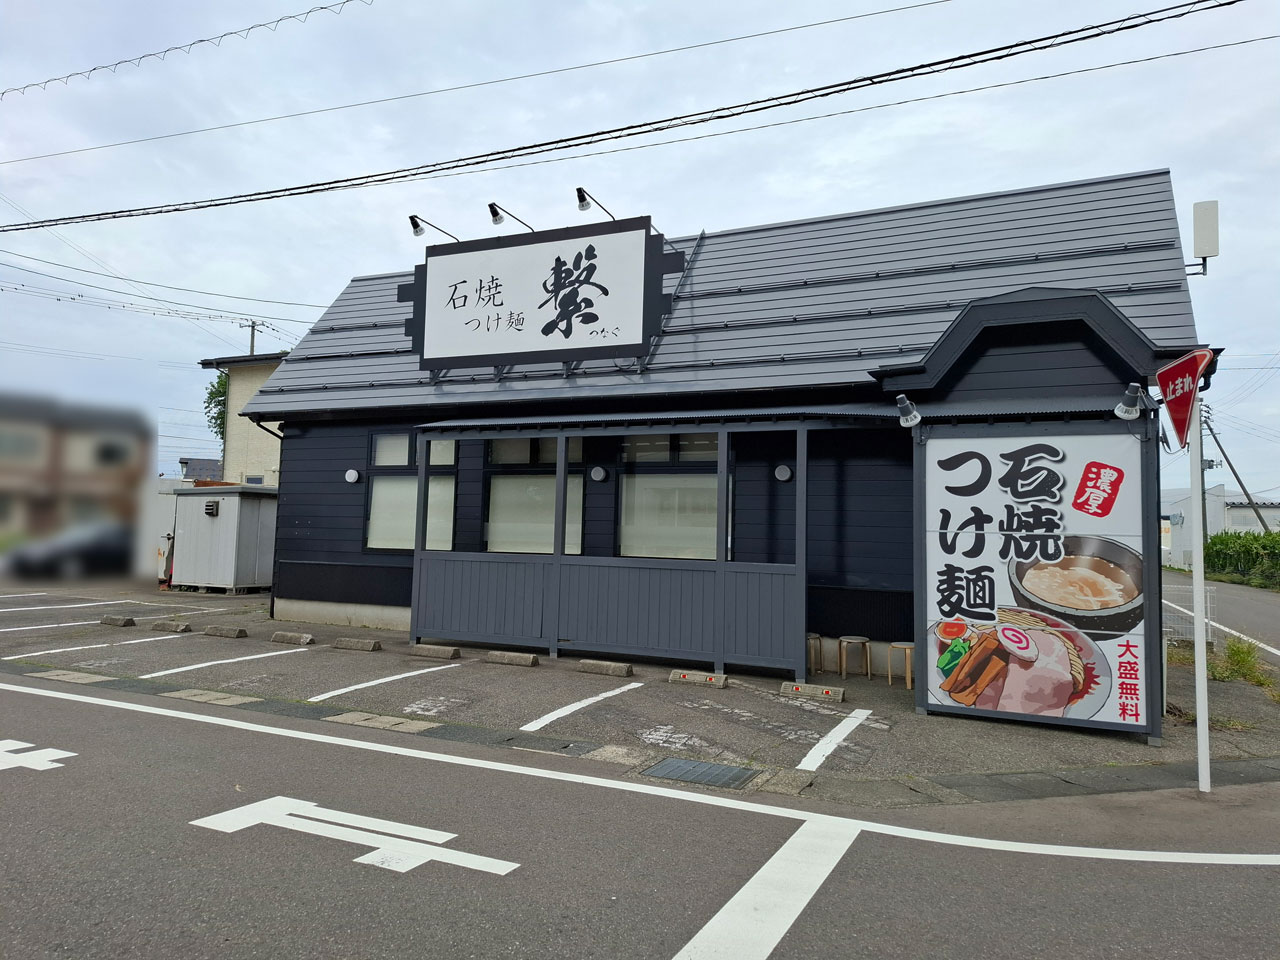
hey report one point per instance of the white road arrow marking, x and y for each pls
(396, 846)
(32, 759)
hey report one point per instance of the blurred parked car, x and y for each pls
(88, 550)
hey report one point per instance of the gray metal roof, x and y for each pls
(809, 302)
(886, 410)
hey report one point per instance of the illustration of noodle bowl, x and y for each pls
(1096, 586)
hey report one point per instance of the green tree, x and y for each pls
(215, 405)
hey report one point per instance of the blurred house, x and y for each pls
(65, 464)
(200, 468)
(250, 451)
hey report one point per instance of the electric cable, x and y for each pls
(478, 83)
(180, 303)
(243, 33)
(989, 55)
(152, 283)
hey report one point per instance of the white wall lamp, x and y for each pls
(351, 476)
(585, 200)
(496, 215)
(420, 227)
(908, 415)
(1130, 405)
(599, 474)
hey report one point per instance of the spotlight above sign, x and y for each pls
(572, 294)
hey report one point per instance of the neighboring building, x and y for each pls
(710, 462)
(63, 464)
(200, 468)
(250, 451)
(1223, 510)
(1240, 515)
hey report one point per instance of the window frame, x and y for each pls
(372, 473)
(425, 471)
(673, 465)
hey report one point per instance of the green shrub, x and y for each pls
(1254, 557)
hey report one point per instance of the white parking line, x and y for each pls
(374, 683)
(15, 596)
(85, 623)
(565, 711)
(89, 646)
(822, 749)
(653, 790)
(1234, 633)
(750, 925)
(66, 606)
(214, 663)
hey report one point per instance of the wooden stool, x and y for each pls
(908, 650)
(843, 645)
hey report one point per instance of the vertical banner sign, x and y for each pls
(1179, 384)
(1034, 580)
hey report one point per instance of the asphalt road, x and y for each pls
(550, 857)
(1247, 610)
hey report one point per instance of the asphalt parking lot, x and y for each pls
(875, 750)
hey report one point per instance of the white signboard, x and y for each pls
(503, 303)
(1034, 584)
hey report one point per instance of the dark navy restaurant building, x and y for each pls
(908, 424)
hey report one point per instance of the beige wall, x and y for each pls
(250, 452)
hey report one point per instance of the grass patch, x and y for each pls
(1235, 660)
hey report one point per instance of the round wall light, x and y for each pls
(782, 472)
(599, 474)
(351, 476)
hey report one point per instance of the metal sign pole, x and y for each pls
(1197, 600)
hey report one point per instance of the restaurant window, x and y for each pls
(393, 494)
(442, 459)
(520, 496)
(668, 497)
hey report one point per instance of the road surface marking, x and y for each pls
(32, 759)
(83, 623)
(565, 711)
(67, 606)
(89, 646)
(1234, 633)
(705, 799)
(396, 846)
(214, 663)
(750, 925)
(823, 748)
(374, 683)
(15, 596)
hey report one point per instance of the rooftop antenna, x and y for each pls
(1204, 234)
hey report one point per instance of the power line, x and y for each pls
(103, 264)
(152, 283)
(990, 55)
(180, 303)
(479, 83)
(854, 110)
(243, 33)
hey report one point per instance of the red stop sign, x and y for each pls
(1179, 384)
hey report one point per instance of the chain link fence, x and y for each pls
(1177, 607)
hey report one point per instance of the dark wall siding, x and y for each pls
(600, 498)
(878, 614)
(860, 498)
(468, 522)
(320, 519)
(764, 508)
(1045, 357)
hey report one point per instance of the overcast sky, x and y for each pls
(1210, 117)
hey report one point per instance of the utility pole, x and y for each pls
(253, 329)
(1208, 422)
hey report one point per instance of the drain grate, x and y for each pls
(696, 771)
